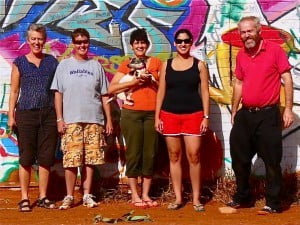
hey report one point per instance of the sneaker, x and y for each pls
(67, 202)
(88, 201)
(267, 210)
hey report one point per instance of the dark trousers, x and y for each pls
(257, 133)
(37, 136)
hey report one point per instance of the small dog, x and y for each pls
(138, 70)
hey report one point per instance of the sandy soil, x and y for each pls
(80, 215)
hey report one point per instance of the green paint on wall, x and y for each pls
(232, 10)
(211, 28)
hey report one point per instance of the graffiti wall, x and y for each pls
(110, 22)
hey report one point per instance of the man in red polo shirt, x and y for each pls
(260, 66)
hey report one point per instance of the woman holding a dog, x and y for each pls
(183, 80)
(137, 118)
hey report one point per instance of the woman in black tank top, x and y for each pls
(182, 114)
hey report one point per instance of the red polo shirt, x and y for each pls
(261, 75)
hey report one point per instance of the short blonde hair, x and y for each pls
(37, 27)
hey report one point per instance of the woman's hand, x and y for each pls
(158, 126)
(109, 128)
(11, 123)
(204, 125)
(61, 126)
(146, 77)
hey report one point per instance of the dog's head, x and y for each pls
(137, 64)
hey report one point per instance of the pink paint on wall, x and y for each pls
(275, 9)
(197, 17)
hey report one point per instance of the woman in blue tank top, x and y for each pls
(182, 114)
(31, 114)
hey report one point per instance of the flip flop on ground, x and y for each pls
(199, 208)
(175, 206)
(151, 203)
(140, 204)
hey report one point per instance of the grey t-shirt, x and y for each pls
(82, 83)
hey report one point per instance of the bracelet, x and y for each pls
(205, 117)
(59, 119)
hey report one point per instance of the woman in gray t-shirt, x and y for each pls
(80, 84)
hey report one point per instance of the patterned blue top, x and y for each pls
(35, 83)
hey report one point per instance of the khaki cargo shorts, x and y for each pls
(83, 144)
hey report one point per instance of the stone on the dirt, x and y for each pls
(227, 210)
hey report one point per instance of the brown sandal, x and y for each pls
(24, 206)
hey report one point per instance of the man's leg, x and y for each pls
(270, 142)
(242, 154)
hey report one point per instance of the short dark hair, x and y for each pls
(38, 28)
(139, 35)
(183, 31)
(80, 32)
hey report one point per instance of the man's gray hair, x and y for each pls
(255, 19)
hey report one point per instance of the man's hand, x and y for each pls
(288, 118)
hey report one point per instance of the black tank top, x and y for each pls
(182, 90)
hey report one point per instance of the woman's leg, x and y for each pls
(149, 152)
(47, 140)
(70, 177)
(87, 178)
(134, 192)
(132, 129)
(43, 201)
(43, 180)
(175, 155)
(27, 132)
(192, 145)
(146, 181)
(24, 176)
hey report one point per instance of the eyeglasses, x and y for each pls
(185, 41)
(79, 42)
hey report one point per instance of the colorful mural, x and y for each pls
(110, 22)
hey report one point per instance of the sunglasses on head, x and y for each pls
(185, 41)
(79, 42)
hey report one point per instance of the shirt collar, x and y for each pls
(263, 47)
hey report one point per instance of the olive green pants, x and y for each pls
(141, 141)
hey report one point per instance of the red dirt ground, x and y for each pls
(80, 215)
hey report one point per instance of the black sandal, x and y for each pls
(46, 203)
(24, 206)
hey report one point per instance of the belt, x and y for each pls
(257, 109)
